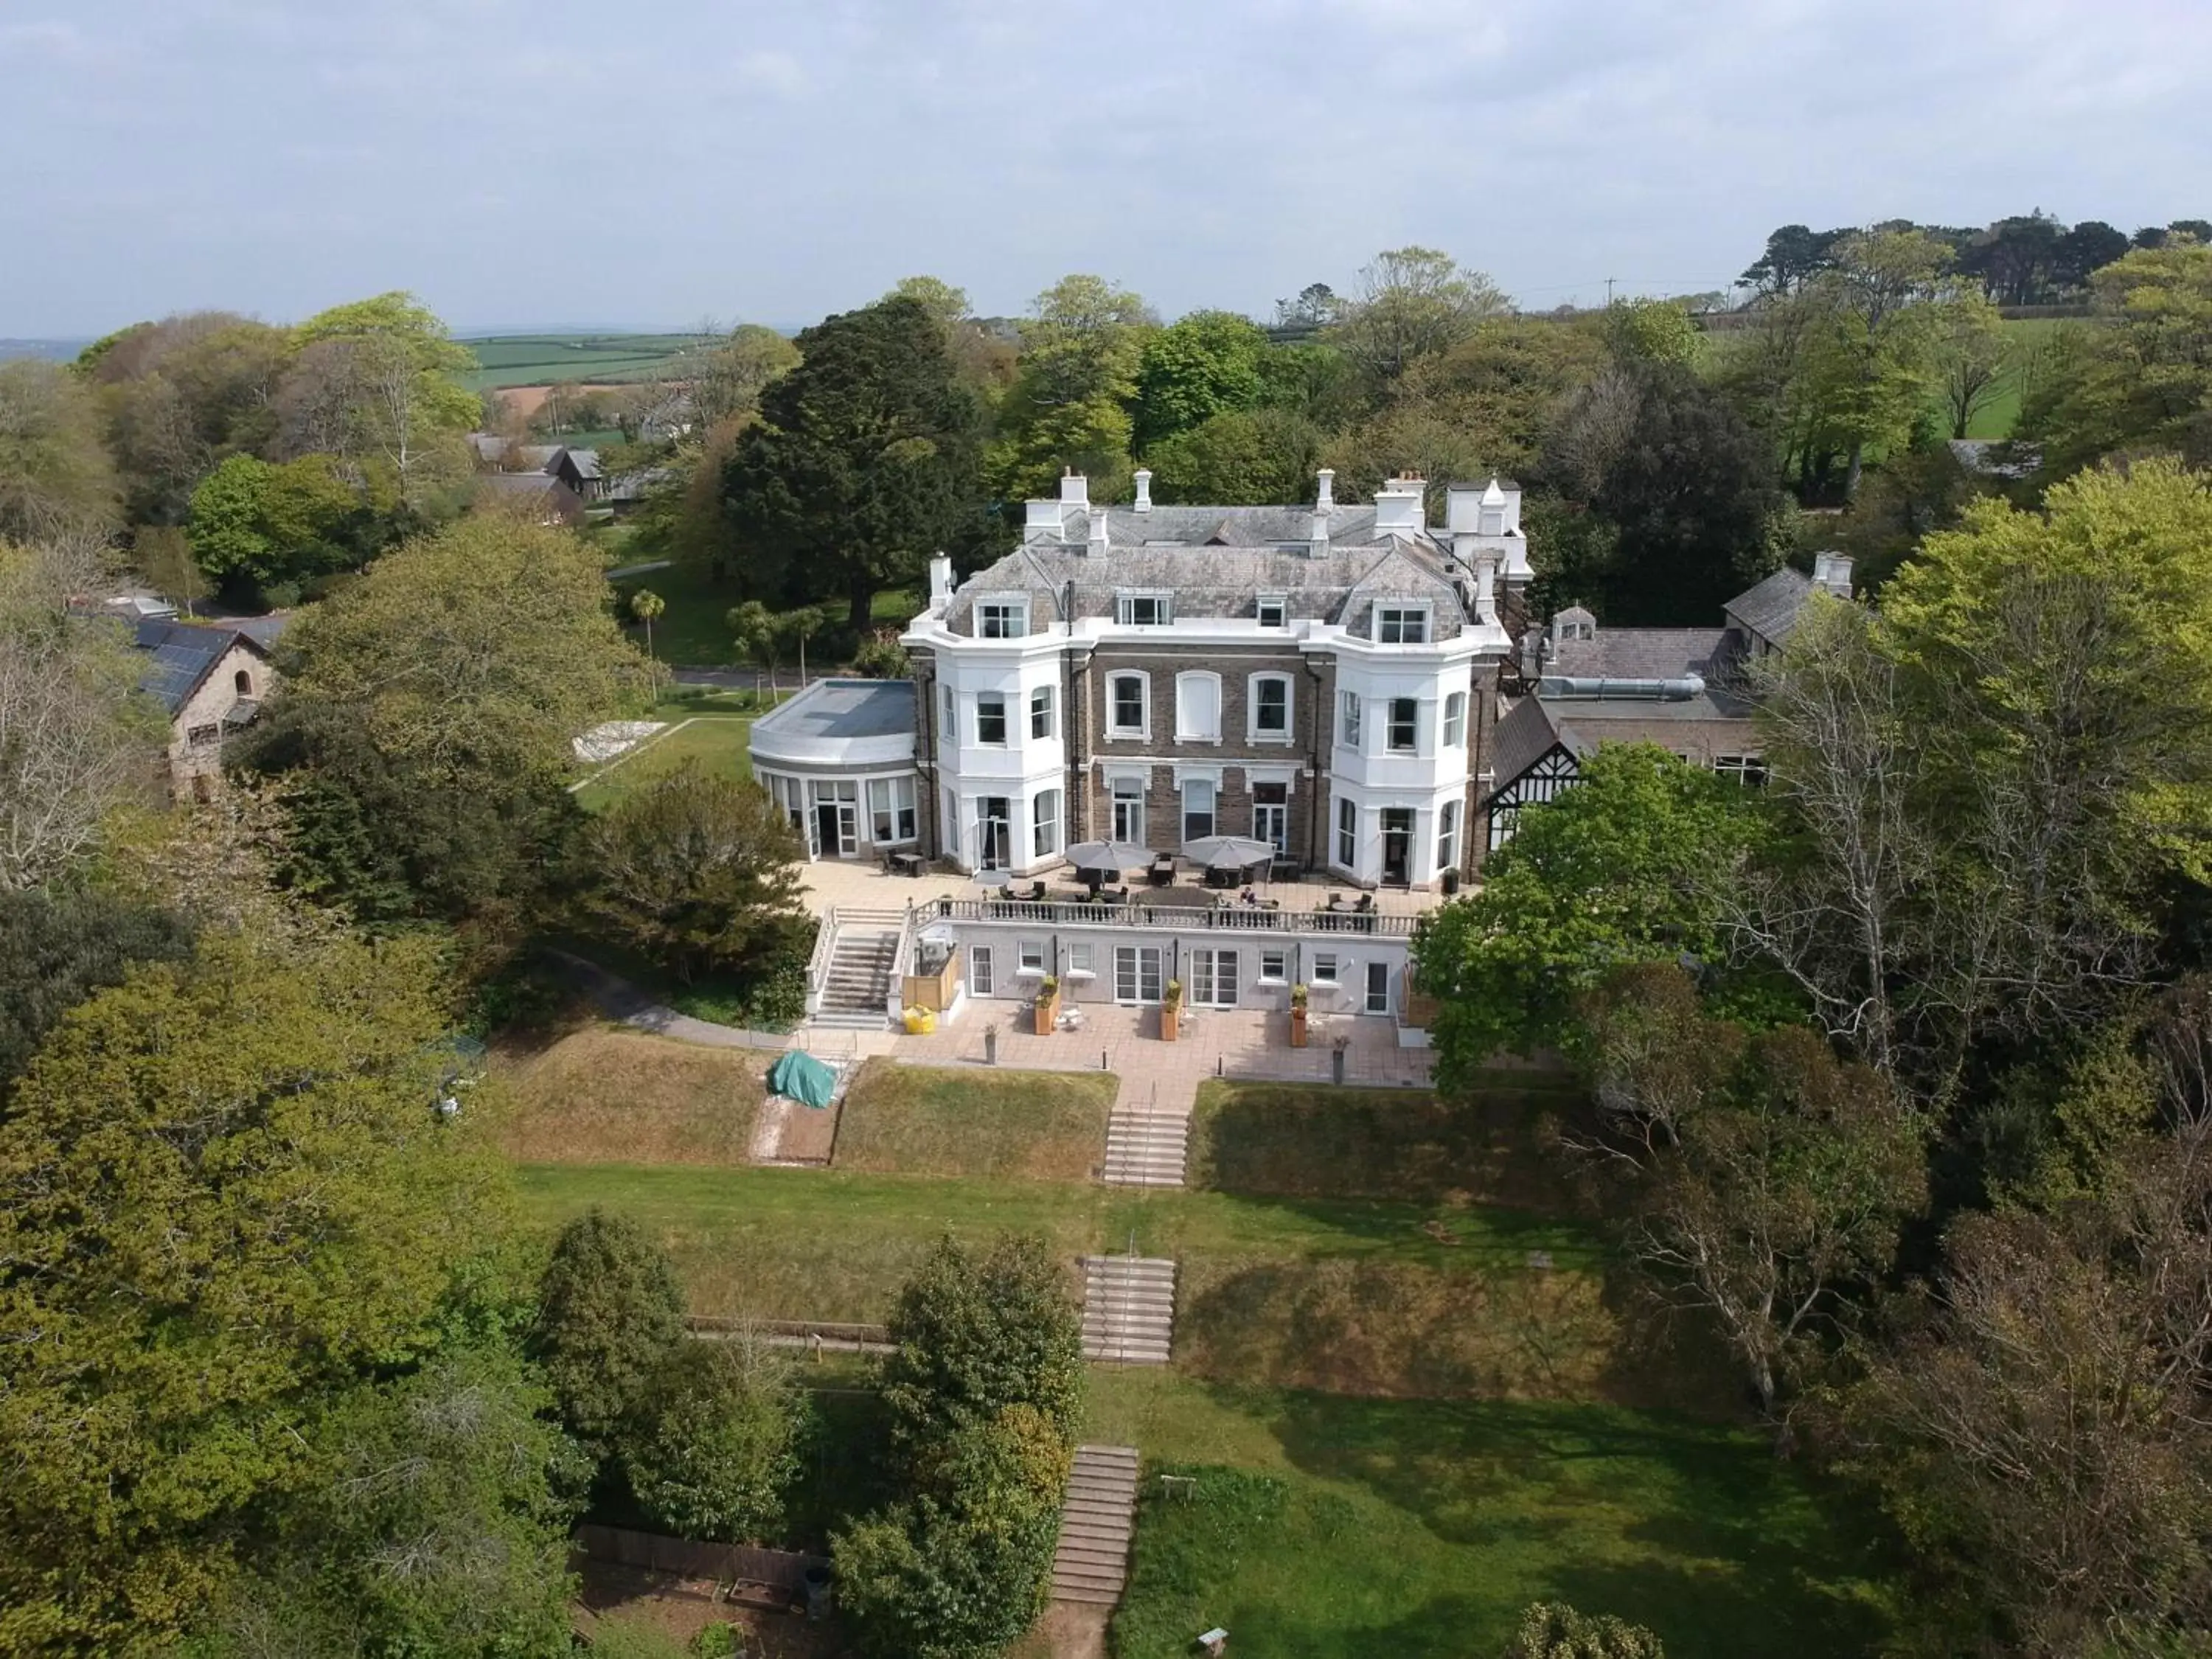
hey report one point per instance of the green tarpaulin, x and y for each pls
(803, 1078)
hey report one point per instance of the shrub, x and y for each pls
(717, 1448)
(1553, 1630)
(611, 1313)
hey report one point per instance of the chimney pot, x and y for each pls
(1832, 571)
(1143, 490)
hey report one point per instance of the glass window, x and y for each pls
(980, 983)
(1404, 717)
(1002, 619)
(1129, 717)
(1144, 610)
(1041, 712)
(1274, 965)
(1401, 625)
(1129, 811)
(1078, 959)
(890, 809)
(1197, 809)
(1271, 707)
(1271, 815)
(1032, 955)
(1274, 610)
(1348, 835)
(1347, 720)
(1378, 988)
(1741, 768)
(1448, 837)
(1198, 707)
(1324, 968)
(1213, 978)
(1455, 721)
(949, 705)
(991, 718)
(1044, 823)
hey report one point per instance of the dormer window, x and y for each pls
(1002, 619)
(1144, 610)
(1402, 625)
(1274, 610)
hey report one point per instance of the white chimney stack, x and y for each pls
(1143, 490)
(1326, 497)
(1398, 509)
(1074, 489)
(1832, 571)
(1098, 547)
(1317, 534)
(1043, 519)
(940, 583)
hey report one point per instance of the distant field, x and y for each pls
(603, 359)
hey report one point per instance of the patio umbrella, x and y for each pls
(1108, 858)
(1228, 852)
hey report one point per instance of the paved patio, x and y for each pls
(829, 883)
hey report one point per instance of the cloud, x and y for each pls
(774, 71)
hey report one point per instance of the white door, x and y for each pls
(1137, 973)
(1213, 978)
(1378, 988)
(980, 983)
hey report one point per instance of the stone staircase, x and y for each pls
(1092, 1563)
(856, 987)
(1129, 1308)
(1146, 1147)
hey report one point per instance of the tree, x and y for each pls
(1553, 1630)
(255, 526)
(1624, 867)
(1652, 331)
(377, 384)
(2084, 251)
(182, 394)
(1686, 484)
(1259, 455)
(718, 1448)
(697, 872)
(2142, 382)
(729, 380)
(1202, 365)
(164, 560)
(1794, 255)
(1762, 1181)
(57, 947)
(610, 1317)
(225, 1193)
(1068, 405)
(76, 742)
(1411, 303)
(974, 1335)
(433, 1517)
(55, 472)
(1873, 368)
(864, 462)
(1972, 356)
(645, 604)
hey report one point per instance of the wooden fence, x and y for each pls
(782, 1572)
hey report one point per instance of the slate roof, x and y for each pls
(587, 462)
(844, 708)
(1771, 609)
(1228, 526)
(180, 655)
(1524, 737)
(1645, 653)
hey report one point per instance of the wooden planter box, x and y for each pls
(1171, 1021)
(1297, 1025)
(934, 991)
(1046, 1011)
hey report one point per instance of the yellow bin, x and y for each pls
(921, 1022)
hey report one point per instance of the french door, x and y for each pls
(1214, 979)
(1137, 973)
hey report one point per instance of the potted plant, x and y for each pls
(1047, 1006)
(1171, 1011)
(1298, 1015)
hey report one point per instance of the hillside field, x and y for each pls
(546, 359)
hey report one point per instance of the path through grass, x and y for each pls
(716, 742)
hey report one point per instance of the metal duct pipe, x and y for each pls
(1573, 685)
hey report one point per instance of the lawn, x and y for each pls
(551, 359)
(604, 1093)
(946, 1121)
(716, 742)
(1348, 1527)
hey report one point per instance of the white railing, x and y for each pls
(901, 964)
(1188, 919)
(817, 965)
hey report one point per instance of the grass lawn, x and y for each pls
(947, 1121)
(1293, 1140)
(554, 359)
(604, 1093)
(716, 742)
(1349, 1528)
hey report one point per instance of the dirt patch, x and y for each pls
(1068, 1630)
(682, 1608)
(526, 400)
(605, 1095)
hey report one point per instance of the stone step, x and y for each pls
(1091, 1564)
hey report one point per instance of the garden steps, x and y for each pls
(1146, 1147)
(1097, 1520)
(1129, 1308)
(856, 987)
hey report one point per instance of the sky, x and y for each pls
(654, 163)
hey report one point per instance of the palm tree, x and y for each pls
(645, 604)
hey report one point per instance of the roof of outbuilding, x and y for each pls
(181, 655)
(1524, 737)
(1769, 610)
(587, 462)
(1643, 654)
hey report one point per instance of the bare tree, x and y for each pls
(1412, 302)
(75, 740)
